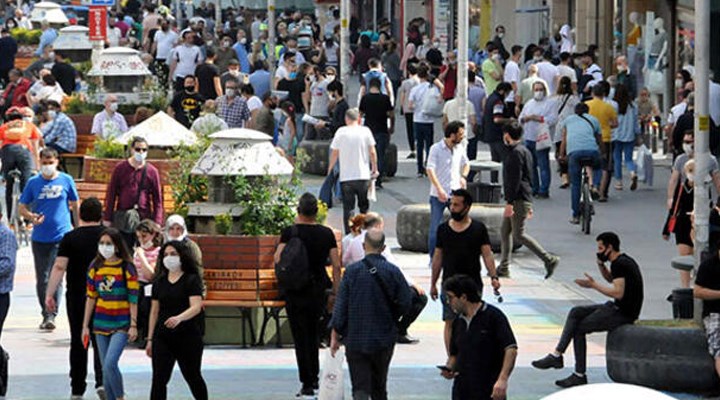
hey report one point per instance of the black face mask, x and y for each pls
(657, 31)
(458, 216)
(189, 89)
(602, 256)
(273, 106)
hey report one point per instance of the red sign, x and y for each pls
(97, 22)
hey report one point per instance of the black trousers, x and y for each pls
(187, 350)
(351, 190)
(409, 130)
(417, 304)
(497, 154)
(4, 307)
(143, 313)
(304, 317)
(78, 354)
(368, 373)
(582, 320)
(15, 156)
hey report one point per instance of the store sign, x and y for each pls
(97, 22)
(104, 3)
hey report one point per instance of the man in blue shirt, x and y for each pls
(260, 79)
(8, 252)
(365, 317)
(47, 37)
(46, 202)
(60, 134)
(241, 50)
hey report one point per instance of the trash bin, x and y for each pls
(482, 192)
(682, 303)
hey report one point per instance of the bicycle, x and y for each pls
(587, 210)
(15, 221)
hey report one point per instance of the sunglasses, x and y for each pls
(140, 150)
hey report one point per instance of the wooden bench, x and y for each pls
(246, 289)
(99, 190)
(85, 144)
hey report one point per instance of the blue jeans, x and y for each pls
(424, 139)
(44, 257)
(620, 149)
(436, 215)
(541, 170)
(110, 348)
(575, 173)
(299, 127)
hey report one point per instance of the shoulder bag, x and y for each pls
(672, 219)
(127, 220)
(389, 300)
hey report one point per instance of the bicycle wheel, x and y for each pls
(586, 214)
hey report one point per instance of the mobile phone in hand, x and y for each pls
(444, 368)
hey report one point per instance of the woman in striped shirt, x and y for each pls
(112, 291)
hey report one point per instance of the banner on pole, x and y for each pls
(97, 22)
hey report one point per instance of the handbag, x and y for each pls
(332, 382)
(543, 140)
(392, 303)
(672, 220)
(127, 220)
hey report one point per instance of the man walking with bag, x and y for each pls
(134, 193)
(373, 295)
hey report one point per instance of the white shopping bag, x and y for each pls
(372, 192)
(332, 382)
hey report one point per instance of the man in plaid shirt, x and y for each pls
(60, 133)
(232, 107)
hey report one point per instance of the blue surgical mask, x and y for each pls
(52, 114)
(292, 75)
(140, 157)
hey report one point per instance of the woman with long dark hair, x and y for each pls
(112, 295)
(176, 328)
(565, 101)
(287, 140)
(624, 136)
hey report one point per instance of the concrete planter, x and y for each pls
(413, 224)
(675, 359)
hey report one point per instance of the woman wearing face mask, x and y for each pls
(537, 116)
(286, 139)
(623, 137)
(564, 104)
(319, 98)
(112, 293)
(150, 238)
(175, 229)
(176, 322)
(682, 207)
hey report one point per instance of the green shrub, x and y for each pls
(107, 148)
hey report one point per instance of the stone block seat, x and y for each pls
(669, 358)
(413, 224)
(318, 157)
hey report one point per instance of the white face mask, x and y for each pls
(172, 263)
(106, 250)
(539, 96)
(330, 78)
(243, 41)
(234, 72)
(691, 177)
(113, 107)
(147, 245)
(140, 157)
(688, 148)
(48, 170)
(678, 83)
(230, 92)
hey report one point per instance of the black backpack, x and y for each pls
(293, 269)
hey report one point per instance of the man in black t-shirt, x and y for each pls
(460, 244)
(64, 74)
(494, 117)
(483, 348)
(627, 291)
(208, 77)
(77, 250)
(377, 109)
(185, 106)
(707, 288)
(305, 306)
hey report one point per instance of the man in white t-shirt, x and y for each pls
(548, 72)
(564, 69)
(354, 148)
(164, 41)
(512, 76)
(184, 60)
(451, 112)
(253, 102)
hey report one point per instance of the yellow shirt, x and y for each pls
(634, 36)
(605, 113)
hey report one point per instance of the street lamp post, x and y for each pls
(462, 62)
(702, 130)
(271, 38)
(345, 42)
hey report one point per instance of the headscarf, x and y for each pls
(175, 219)
(407, 55)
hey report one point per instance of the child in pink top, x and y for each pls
(150, 238)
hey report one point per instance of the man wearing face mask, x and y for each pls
(185, 106)
(517, 187)
(624, 77)
(162, 48)
(232, 73)
(134, 185)
(492, 69)
(185, 59)
(264, 120)
(240, 48)
(627, 295)
(47, 201)
(498, 42)
(59, 133)
(109, 123)
(536, 117)
(232, 107)
(224, 54)
(461, 242)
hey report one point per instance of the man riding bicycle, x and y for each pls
(19, 141)
(580, 137)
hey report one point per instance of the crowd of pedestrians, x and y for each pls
(133, 275)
